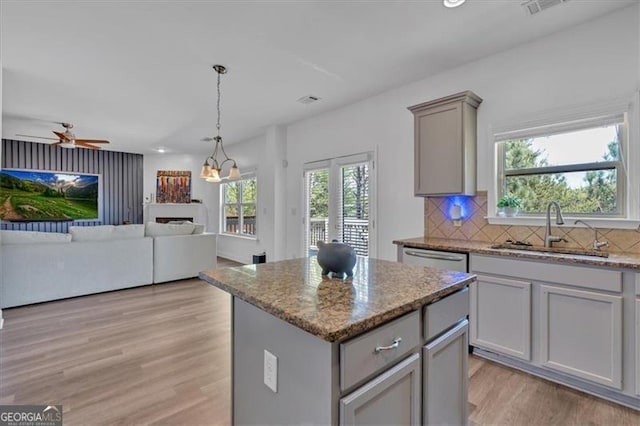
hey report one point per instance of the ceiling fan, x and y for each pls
(67, 139)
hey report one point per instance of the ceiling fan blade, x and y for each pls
(92, 141)
(86, 145)
(39, 137)
(62, 136)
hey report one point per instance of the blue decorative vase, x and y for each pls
(336, 258)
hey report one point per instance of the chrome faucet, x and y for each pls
(597, 245)
(548, 238)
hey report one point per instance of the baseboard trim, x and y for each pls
(591, 389)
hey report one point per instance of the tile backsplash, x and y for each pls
(476, 228)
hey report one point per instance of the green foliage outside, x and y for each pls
(355, 192)
(241, 192)
(596, 195)
(319, 194)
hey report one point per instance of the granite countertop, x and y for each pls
(615, 260)
(335, 309)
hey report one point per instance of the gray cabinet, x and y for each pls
(500, 315)
(445, 383)
(638, 346)
(391, 398)
(580, 324)
(581, 334)
(445, 145)
(637, 334)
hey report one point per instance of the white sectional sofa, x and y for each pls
(39, 267)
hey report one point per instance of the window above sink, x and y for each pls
(587, 159)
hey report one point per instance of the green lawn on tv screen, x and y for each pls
(23, 205)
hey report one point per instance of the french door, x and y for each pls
(339, 203)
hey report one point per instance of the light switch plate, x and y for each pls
(270, 371)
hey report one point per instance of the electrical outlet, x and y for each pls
(271, 371)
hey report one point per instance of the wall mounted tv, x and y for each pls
(38, 196)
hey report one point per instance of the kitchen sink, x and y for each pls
(559, 250)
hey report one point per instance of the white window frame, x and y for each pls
(240, 204)
(573, 117)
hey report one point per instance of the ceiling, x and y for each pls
(139, 73)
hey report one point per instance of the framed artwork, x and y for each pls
(173, 186)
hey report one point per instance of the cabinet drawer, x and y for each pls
(364, 355)
(579, 276)
(443, 314)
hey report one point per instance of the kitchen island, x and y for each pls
(387, 346)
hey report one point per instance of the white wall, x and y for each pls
(588, 63)
(251, 155)
(199, 188)
(592, 62)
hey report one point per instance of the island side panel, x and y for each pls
(306, 385)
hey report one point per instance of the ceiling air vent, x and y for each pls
(535, 6)
(309, 99)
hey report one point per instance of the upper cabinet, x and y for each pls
(445, 145)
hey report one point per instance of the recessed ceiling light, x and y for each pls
(161, 150)
(453, 3)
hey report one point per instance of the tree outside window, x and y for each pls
(239, 205)
(581, 169)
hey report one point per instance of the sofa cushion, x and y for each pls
(199, 228)
(154, 229)
(91, 233)
(32, 237)
(128, 232)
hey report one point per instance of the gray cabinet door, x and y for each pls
(445, 145)
(581, 334)
(638, 346)
(392, 398)
(439, 150)
(445, 379)
(500, 315)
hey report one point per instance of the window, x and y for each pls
(580, 164)
(239, 206)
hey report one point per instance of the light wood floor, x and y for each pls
(160, 354)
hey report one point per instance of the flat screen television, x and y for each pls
(38, 196)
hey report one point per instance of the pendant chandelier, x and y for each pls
(212, 167)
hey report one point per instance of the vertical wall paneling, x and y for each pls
(121, 175)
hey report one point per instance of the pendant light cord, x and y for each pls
(218, 105)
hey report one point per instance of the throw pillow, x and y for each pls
(154, 229)
(91, 233)
(128, 232)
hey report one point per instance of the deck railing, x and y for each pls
(355, 232)
(232, 225)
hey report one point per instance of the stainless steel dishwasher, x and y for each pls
(435, 259)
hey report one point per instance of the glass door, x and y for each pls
(354, 209)
(338, 203)
(316, 219)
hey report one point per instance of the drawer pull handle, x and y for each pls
(394, 345)
(438, 256)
